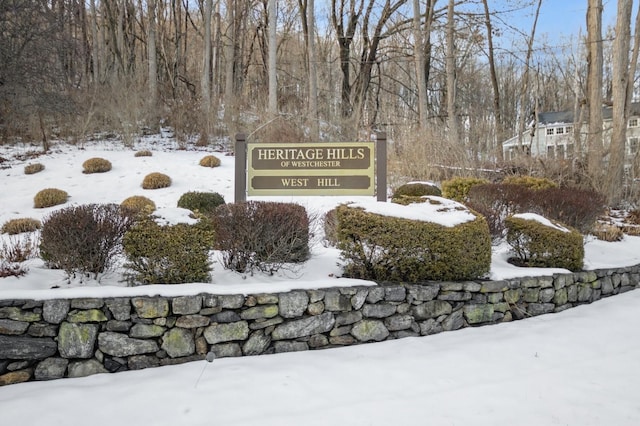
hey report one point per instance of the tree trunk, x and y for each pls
(273, 49)
(153, 61)
(313, 76)
(620, 90)
(497, 111)
(450, 66)
(205, 80)
(418, 50)
(594, 90)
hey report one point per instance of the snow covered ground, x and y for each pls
(579, 367)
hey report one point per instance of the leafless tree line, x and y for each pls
(456, 72)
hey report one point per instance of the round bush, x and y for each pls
(96, 165)
(137, 204)
(20, 225)
(31, 169)
(49, 197)
(536, 244)
(202, 202)
(155, 181)
(417, 189)
(458, 188)
(143, 153)
(533, 183)
(210, 161)
(83, 239)
(169, 254)
(385, 248)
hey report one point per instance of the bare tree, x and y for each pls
(620, 91)
(594, 89)
(273, 50)
(450, 65)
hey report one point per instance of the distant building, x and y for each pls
(552, 135)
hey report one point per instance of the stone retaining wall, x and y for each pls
(51, 339)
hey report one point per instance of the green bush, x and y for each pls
(458, 188)
(533, 183)
(155, 181)
(538, 245)
(96, 165)
(20, 225)
(410, 191)
(83, 239)
(261, 236)
(31, 169)
(202, 202)
(210, 161)
(137, 204)
(384, 248)
(143, 153)
(171, 254)
(49, 197)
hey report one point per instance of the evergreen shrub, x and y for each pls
(143, 153)
(96, 165)
(262, 236)
(83, 239)
(416, 189)
(458, 188)
(169, 254)
(20, 225)
(202, 202)
(539, 245)
(383, 248)
(531, 182)
(156, 181)
(34, 168)
(49, 197)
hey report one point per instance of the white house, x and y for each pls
(552, 135)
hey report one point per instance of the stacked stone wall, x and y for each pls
(52, 339)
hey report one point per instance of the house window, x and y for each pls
(560, 151)
(569, 129)
(560, 131)
(633, 122)
(551, 151)
(550, 131)
(569, 150)
(633, 146)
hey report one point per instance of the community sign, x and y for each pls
(336, 168)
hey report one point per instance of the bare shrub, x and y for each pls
(19, 249)
(577, 208)
(261, 236)
(496, 202)
(607, 232)
(143, 153)
(83, 239)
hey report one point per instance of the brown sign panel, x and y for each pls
(310, 182)
(311, 156)
(337, 168)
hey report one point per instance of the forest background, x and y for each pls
(448, 81)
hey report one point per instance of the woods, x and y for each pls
(448, 81)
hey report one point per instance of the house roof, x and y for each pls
(553, 117)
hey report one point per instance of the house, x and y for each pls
(552, 135)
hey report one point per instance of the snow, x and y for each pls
(578, 367)
(540, 219)
(437, 210)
